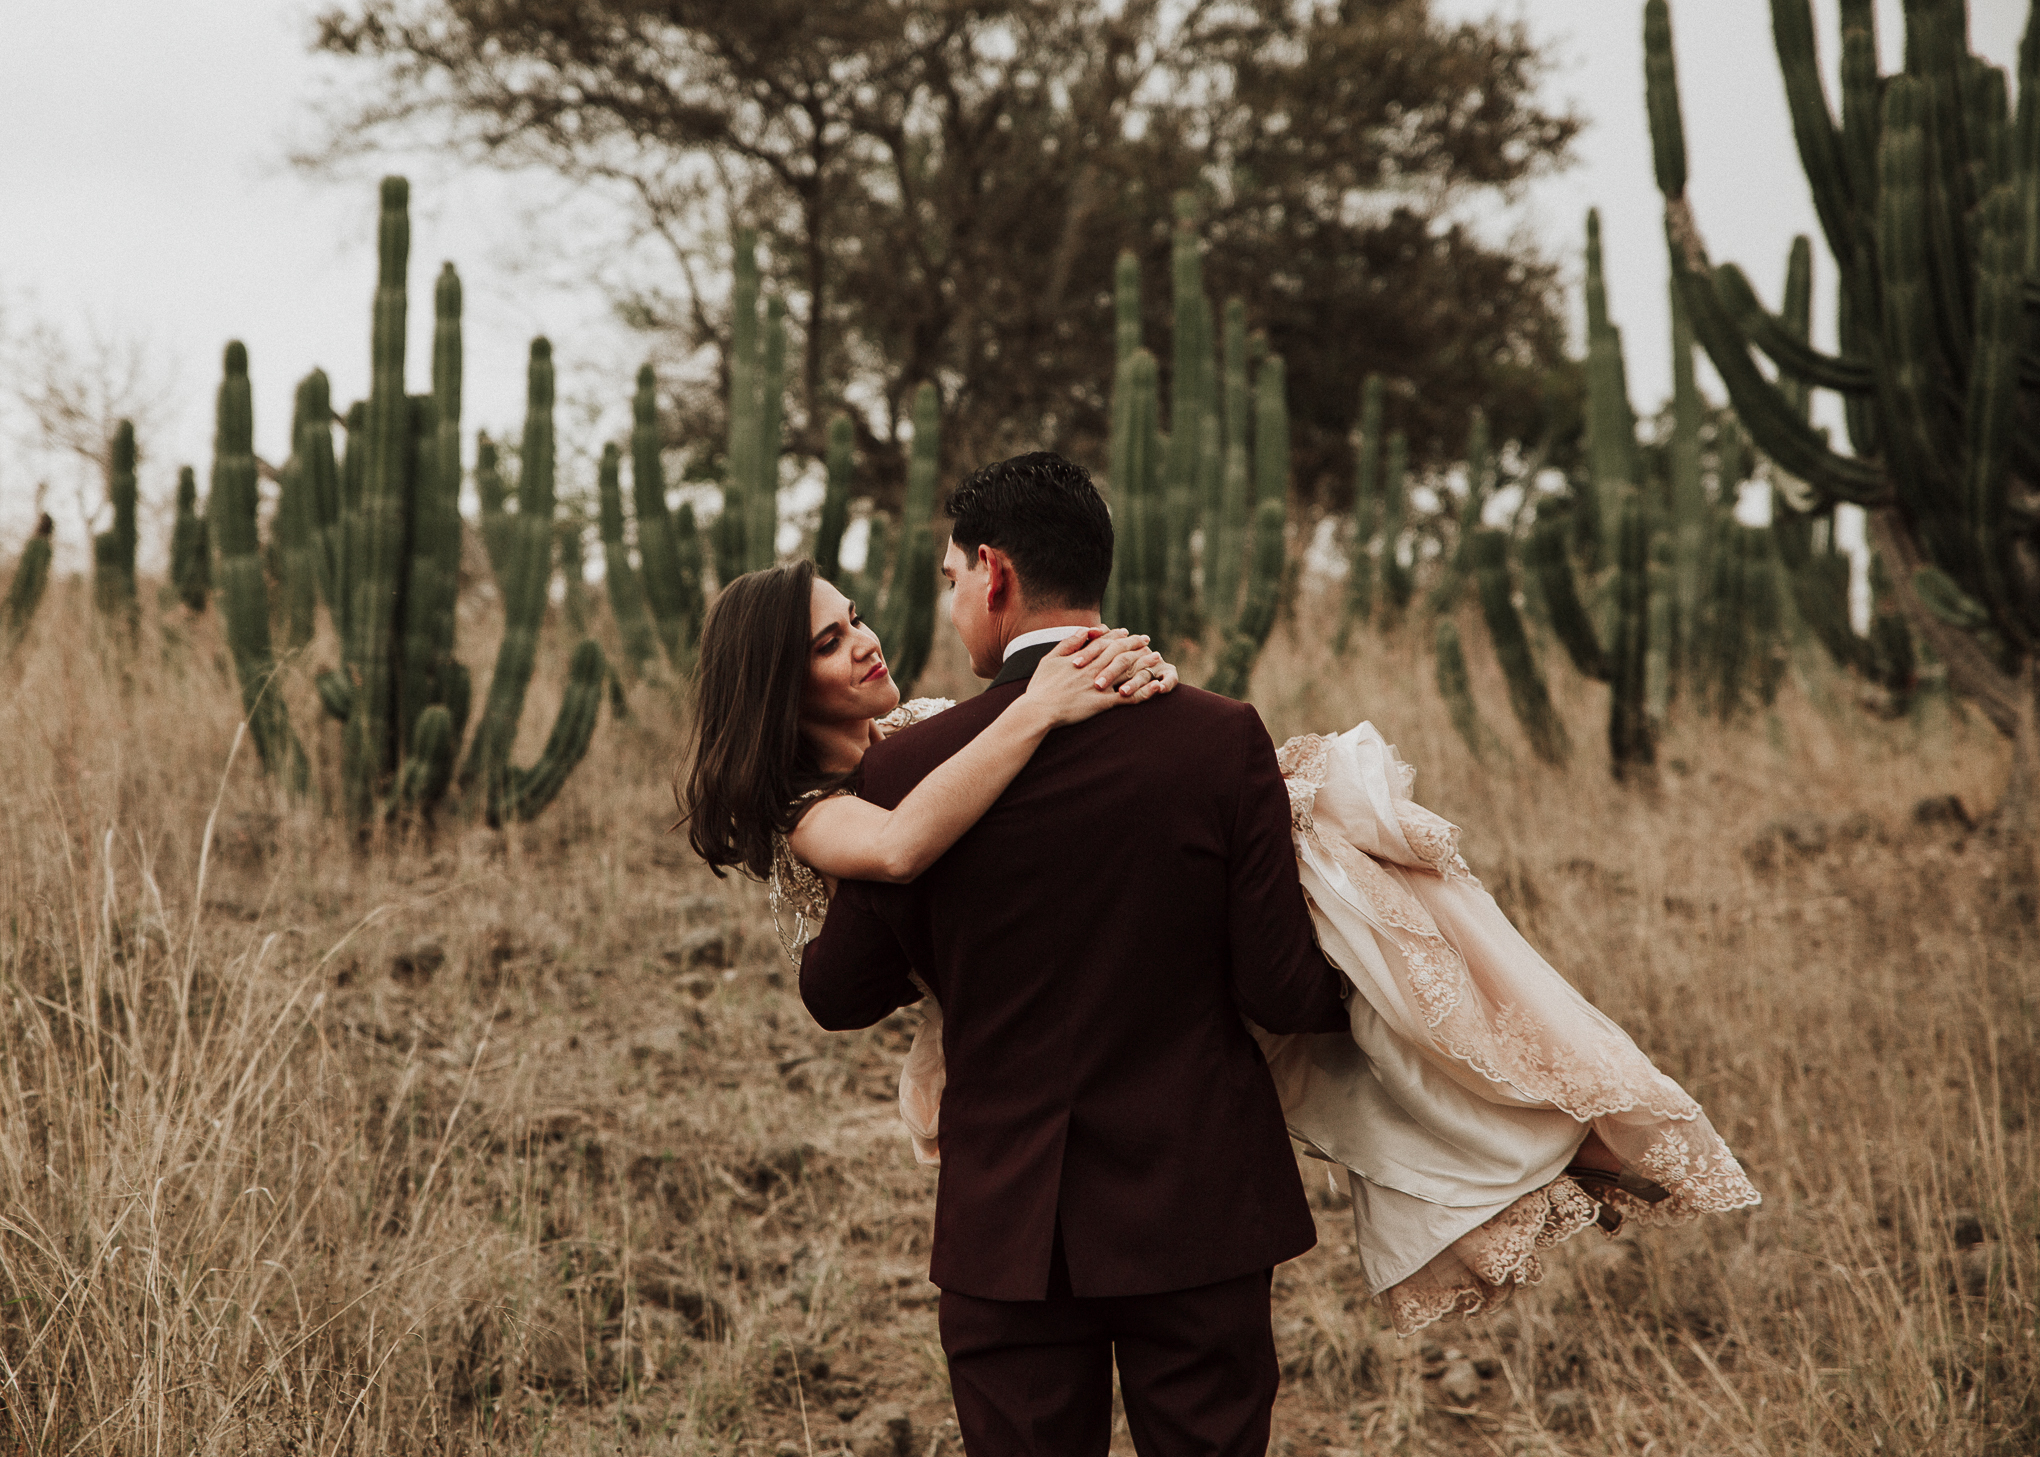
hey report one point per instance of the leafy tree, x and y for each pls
(944, 186)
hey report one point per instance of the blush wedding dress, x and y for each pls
(1472, 1072)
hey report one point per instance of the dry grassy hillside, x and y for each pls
(522, 1142)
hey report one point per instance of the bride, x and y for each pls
(1481, 1108)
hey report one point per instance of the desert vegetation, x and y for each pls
(519, 1139)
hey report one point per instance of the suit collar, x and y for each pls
(1020, 667)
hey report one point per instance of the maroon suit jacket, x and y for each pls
(1093, 941)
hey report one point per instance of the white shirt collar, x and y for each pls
(1039, 636)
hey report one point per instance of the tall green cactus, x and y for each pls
(244, 599)
(113, 550)
(1125, 307)
(1249, 631)
(503, 790)
(1226, 538)
(493, 496)
(190, 554)
(1928, 192)
(909, 632)
(1550, 564)
(675, 605)
(297, 539)
(1456, 688)
(312, 445)
(1611, 422)
(25, 590)
(1529, 699)
(867, 584)
(1398, 582)
(1631, 745)
(836, 498)
(1182, 471)
(570, 529)
(1140, 548)
(1359, 599)
(619, 577)
(1687, 495)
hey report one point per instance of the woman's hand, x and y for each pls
(1138, 678)
(1092, 670)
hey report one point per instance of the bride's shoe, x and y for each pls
(1598, 1184)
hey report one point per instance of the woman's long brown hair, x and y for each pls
(750, 762)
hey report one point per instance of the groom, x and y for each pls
(1116, 1178)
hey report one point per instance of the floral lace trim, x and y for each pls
(795, 891)
(1506, 1045)
(1481, 1269)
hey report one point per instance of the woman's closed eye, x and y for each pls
(829, 642)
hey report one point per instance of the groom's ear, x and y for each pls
(1002, 585)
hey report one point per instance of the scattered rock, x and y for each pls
(1461, 1382)
(1566, 1409)
(1940, 810)
(1965, 1228)
(415, 967)
(698, 987)
(1488, 1368)
(707, 947)
(1430, 1351)
(884, 1431)
(704, 1314)
(1973, 1267)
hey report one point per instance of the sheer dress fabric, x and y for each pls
(800, 903)
(1471, 1070)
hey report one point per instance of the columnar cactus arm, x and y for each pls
(487, 766)
(190, 558)
(1813, 126)
(113, 557)
(658, 551)
(376, 574)
(1397, 580)
(1225, 540)
(1551, 567)
(432, 553)
(1359, 605)
(1179, 477)
(2002, 329)
(842, 468)
(1786, 348)
(1529, 699)
(910, 606)
(314, 446)
(1762, 408)
(1862, 111)
(492, 493)
(1456, 688)
(626, 593)
(1139, 548)
(1629, 732)
(244, 600)
(296, 530)
(1235, 669)
(1125, 306)
(529, 791)
(25, 591)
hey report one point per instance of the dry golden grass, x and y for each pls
(523, 1142)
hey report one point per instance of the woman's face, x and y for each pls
(846, 677)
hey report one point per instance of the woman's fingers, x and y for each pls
(1103, 642)
(1076, 640)
(1125, 663)
(1141, 673)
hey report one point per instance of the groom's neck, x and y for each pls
(1035, 619)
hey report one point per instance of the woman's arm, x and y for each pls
(846, 838)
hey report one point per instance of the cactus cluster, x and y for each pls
(1925, 193)
(1200, 515)
(377, 536)
(25, 590)
(906, 622)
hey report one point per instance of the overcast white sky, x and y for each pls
(147, 197)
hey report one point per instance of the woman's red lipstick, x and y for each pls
(877, 672)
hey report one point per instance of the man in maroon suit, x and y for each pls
(1116, 1177)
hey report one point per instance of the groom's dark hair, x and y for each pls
(1044, 513)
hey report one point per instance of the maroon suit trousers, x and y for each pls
(1033, 1378)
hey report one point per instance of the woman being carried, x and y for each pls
(1483, 1109)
